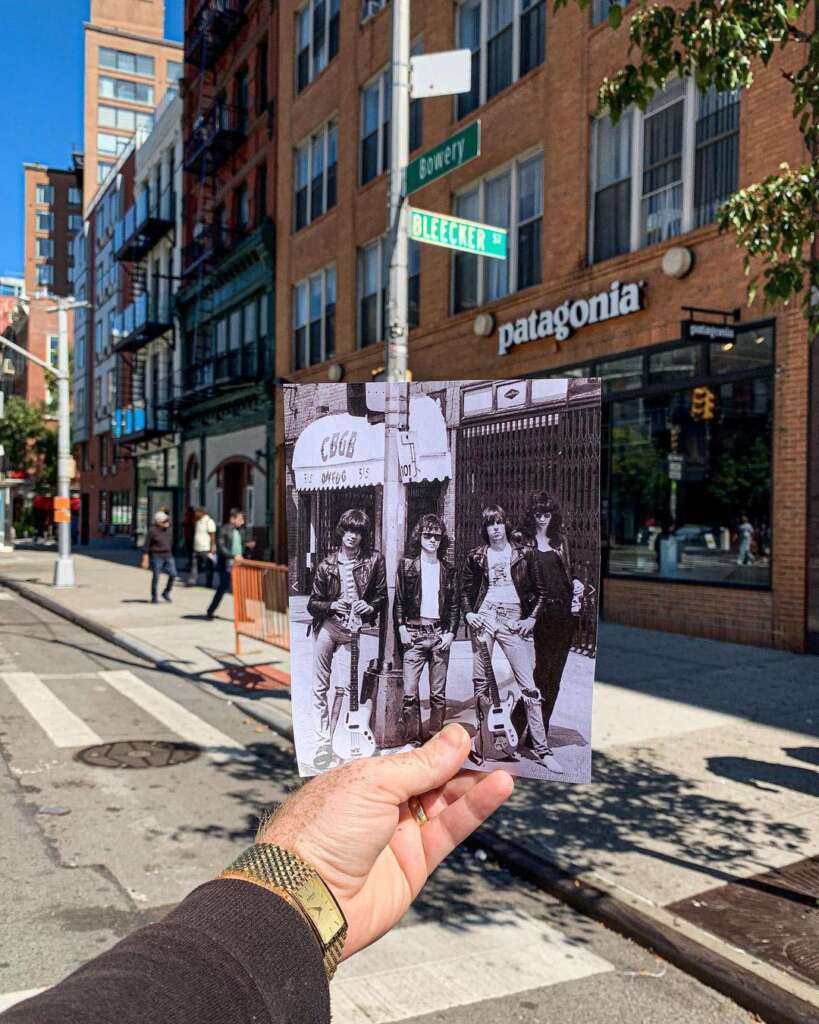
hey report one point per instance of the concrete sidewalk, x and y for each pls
(706, 779)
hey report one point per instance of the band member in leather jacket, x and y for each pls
(502, 597)
(351, 581)
(426, 613)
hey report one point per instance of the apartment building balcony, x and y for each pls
(215, 137)
(151, 217)
(138, 423)
(147, 317)
(218, 373)
(214, 25)
(212, 244)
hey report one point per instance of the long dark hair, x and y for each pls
(543, 501)
(357, 520)
(494, 514)
(427, 522)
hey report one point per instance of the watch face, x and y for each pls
(320, 905)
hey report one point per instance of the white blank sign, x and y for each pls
(440, 74)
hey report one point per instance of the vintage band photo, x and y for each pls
(443, 542)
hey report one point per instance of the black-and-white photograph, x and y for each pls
(443, 542)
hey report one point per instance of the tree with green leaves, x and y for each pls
(719, 43)
(29, 443)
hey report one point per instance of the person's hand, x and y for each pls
(340, 606)
(146, 562)
(474, 620)
(526, 627)
(353, 826)
(405, 635)
(361, 608)
(238, 559)
(446, 641)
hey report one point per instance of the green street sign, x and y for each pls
(457, 233)
(457, 150)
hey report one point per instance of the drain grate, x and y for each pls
(774, 916)
(138, 754)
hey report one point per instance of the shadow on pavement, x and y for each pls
(765, 775)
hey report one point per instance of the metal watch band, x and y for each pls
(281, 869)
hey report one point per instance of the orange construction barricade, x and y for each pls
(260, 603)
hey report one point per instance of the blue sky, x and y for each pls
(42, 99)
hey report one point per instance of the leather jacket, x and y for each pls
(224, 542)
(528, 582)
(407, 602)
(370, 577)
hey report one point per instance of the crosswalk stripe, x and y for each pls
(429, 968)
(61, 725)
(171, 714)
(8, 999)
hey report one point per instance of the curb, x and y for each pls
(768, 1001)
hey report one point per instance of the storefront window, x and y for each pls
(752, 350)
(675, 364)
(621, 374)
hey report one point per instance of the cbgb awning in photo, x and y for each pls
(343, 451)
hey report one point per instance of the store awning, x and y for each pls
(427, 433)
(339, 451)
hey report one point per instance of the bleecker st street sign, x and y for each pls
(456, 233)
(454, 152)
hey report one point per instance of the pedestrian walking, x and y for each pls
(231, 543)
(746, 534)
(158, 556)
(204, 548)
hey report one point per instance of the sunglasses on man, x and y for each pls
(431, 536)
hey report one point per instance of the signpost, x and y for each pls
(440, 74)
(453, 152)
(457, 233)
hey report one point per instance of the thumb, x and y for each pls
(419, 771)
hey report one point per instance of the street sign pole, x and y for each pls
(397, 360)
(64, 566)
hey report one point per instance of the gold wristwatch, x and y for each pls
(288, 876)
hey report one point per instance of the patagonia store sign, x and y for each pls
(571, 315)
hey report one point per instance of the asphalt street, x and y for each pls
(89, 853)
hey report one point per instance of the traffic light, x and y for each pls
(702, 404)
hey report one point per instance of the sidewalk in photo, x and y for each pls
(699, 834)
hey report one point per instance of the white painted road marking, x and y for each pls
(172, 715)
(428, 968)
(8, 999)
(62, 726)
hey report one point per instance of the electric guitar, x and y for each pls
(355, 739)
(499, 728)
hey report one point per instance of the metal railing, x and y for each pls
(212, 28)
(260, 603)
(215, 241)
(150, 217)
(146, 318)
(140, 420)
(219, 132)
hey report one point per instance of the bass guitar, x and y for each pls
(498, 730)
(355, 738)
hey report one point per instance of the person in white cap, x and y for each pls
(158, 556)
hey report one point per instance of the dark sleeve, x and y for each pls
(537, 583)
(318, 603)
(223, 545)
(147, 545)
(470, 581)
(379, 586)
(398, 597)
(230, 953)
(455, 603)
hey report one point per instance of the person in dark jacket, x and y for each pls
(426, 613)
(349, 584)
(232, 541)
(158, 556)
(502, 597)
(236, 950)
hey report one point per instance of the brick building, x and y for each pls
(611, 235)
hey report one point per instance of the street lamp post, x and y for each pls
(64, 566)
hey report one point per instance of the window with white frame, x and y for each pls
(373, 281)
(53, 349)
(507, 39)
(130, 63)
(103, 170)
(660, 173)
(45, 274)
(314, 319)
(74, 221)
(45, 247)
(108, 143)
(371, 7)
(44, 221)
(510, 198)
(74, 196)
(317, 26)
(174, 71)
(376, 115)
(122, 119)
(315, 175)
(45, 194)
(123, 89)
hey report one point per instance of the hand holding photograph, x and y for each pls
(443, 542)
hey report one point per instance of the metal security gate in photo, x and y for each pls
(505, 461)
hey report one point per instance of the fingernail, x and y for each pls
(452, 735)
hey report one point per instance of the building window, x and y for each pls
(103, 170)
(261, 193)
(174, 72)
(53, 350)
(123, 89)
(262, 93)
(45, 274)
(507, 39)
(107, 143)
(44, 221)
(316, 175)
(314, 319)
(512, 199)
(241, 206)
(74, 196)
(600, 9)
(130, 63)
(373, 281)
(45, 247)
(45, 194)
(79, 350)
(74, 221)
(124, 120)
(376, 103)
(242, 93)
(317, 33)
(658, 174)
(98, 341)
(371, 7)
(416, 111)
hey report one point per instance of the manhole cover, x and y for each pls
(775, 916)
(138, 754)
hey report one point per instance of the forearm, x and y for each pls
(229, 953)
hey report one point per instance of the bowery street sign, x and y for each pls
(455, 233)
(454, 152)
